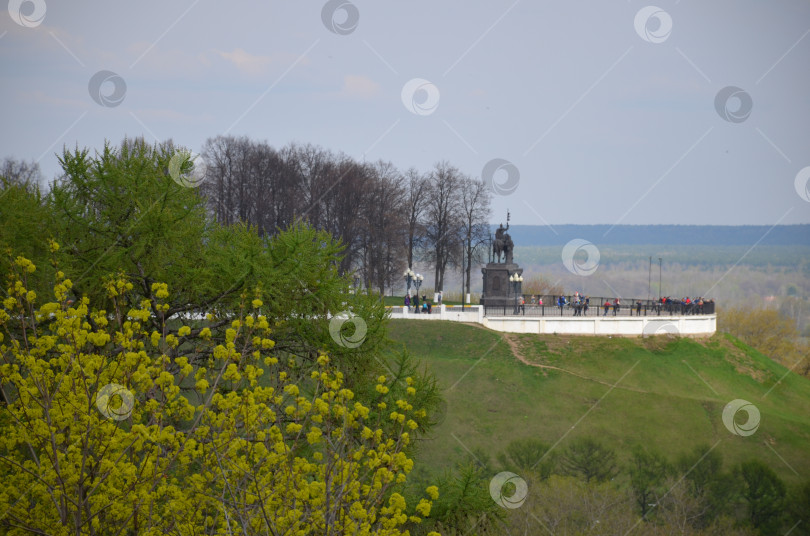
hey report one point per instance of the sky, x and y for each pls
(621, 112)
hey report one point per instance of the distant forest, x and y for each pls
(795, 257)
(673, 235)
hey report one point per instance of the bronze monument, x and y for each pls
(498, 290)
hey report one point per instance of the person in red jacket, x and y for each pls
(607, 306)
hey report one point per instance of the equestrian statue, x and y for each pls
(503, 243)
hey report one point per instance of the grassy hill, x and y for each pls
(668, 393)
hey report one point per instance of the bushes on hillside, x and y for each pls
(770, 332)
(650, 495)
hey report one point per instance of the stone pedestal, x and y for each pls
(498, 289)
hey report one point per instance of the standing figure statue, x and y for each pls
(501, 243)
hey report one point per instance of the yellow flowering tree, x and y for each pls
(102, 431)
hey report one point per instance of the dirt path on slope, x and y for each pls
(518, 353)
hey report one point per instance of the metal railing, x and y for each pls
(596, 307)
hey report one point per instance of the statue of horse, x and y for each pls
(498, 247)
(508, 249)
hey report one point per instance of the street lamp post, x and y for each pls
(417, 282)
(516, 280)
(659, 279)
(409, 277)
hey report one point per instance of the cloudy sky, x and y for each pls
(684, 112)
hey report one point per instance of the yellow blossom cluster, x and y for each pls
(112, 428)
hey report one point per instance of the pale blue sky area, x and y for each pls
(606, 109)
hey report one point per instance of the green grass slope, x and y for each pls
(663, 392)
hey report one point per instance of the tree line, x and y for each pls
(585, 487)
(386, 218)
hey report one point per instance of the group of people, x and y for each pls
(580, 303)
(684, 305)
(615, 305)
(426, 307)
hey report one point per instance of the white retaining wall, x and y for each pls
(693, 325)
(470, 313)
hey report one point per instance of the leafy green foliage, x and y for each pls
(305, 290)
(25, 227)
(649, 470)
(763, 493)
(465, 505)
(715, 489)
(800, 508)
(590, 459)
(528, 455)
(569, 505)
(120, 211)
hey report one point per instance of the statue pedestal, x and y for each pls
(498, 290)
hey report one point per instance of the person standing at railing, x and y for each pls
(616, 306)
(638, 308)
(607, 306)
(408, 302)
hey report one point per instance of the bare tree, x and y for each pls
(227, 159)
(441, 219)
(349, 184)
(384, 225)
(312, 165)
(475, 210)
(251, 182)
(20, 173)
(416, 188)
(266, 191)
(542, 286)
(382, 218)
